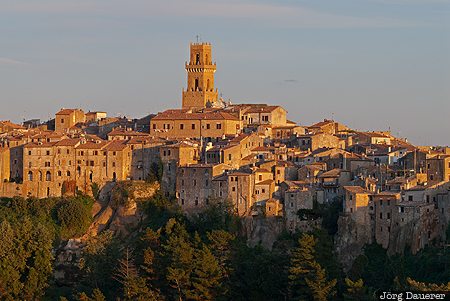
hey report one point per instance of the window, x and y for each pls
(229, 157)
(30, 176)
(388, 215)
(381, 215)
(208, 126)
(68, 173)
(263, 190)
(218, 126)
(47, 153)
(233, 189)
(193, 126)
(195, 182)
(48, 176)
(181, 126)
(59, 173)
(114, 153)
(292, 204)
(410, 198)
(182, 201)
(196, 201)
(29, 164)
(182, 182)
(265, 118)
(29, 153)
(260, 177)
(62, 120)
(114, 164)
(154, 126)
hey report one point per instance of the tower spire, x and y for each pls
(200, 92)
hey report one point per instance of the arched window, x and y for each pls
(48, 176)
(114, 176)
(68, 173)
(91, 175)
(59, 173)
(40, 175)
(30, 176)
(196, 84)
(197, 59)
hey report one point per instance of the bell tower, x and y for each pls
(200, 92)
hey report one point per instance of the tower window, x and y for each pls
(196, 84)
(197, 59)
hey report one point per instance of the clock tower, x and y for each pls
(200, 92)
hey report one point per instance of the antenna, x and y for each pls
(198, 37)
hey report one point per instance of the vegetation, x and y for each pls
(205, 257)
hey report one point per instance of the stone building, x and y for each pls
(67, 118)
(297, 198)
(384, 208)
(313, 142)
(145, 152)
(183, 124)
(438, 168)
(4, 164)
(172, 157)
(200, 92)
(238, 188)
(58, 168)
(194, 185)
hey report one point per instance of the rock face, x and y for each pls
(262, 230)
(119, 207)
(117, 210)
(350, 240)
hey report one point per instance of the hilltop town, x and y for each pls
(251, 155)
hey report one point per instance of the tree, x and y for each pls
(178, 256)
(307, 278)
(427, 287)
(134, 287)
(205, 276)
(356, 290)
(74, 216)
(321, 288)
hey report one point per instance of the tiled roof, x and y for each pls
(67, 111)
(357, 189)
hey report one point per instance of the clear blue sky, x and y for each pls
(372, 64)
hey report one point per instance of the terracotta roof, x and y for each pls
(357, 189)
(322, 123)
(116, 146)
(14, 126)
(67, 111)
(265, 182)
(68, 142)
(124, 132)
(331, 173)
(261, 109)
(92, 145)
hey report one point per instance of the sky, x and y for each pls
(370, 64)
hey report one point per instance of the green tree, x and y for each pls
(205, 276)
(356, 291)
(74, 216)
(134, 287)
(307, 278)
(178, 256)
(427, 287)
